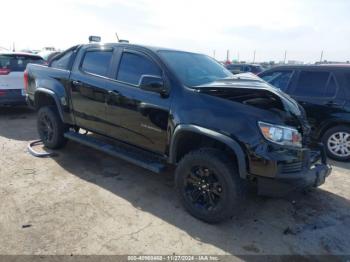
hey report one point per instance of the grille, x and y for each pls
(292, 167)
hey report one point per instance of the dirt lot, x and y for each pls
(84, 202)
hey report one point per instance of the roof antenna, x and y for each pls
(121, 40)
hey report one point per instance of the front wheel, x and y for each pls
(337, 143)
(51, 128)
(209, 186)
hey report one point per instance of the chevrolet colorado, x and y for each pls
(156, 107)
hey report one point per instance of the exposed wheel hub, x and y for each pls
(46, 128)
(203, 188)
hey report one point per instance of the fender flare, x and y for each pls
(231, 143)
(51, 94)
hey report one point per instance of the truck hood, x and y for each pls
(253, 91)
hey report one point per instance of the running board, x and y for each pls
(125, 152)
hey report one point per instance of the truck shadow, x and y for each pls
(18, 123)
(302, 224)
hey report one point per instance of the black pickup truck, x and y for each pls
(159, 107)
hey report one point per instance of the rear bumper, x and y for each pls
(313, 175)
(11, 97)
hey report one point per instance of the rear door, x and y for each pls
(88, 87)
(319, 93)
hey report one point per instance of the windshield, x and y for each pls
(194, 69)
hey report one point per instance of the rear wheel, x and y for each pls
(51, 128)
(337, 143)
(209, 186)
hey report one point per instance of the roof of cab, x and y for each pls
(151, 48)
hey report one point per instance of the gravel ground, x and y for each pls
(85, 202)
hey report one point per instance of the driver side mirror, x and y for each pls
(153, 84)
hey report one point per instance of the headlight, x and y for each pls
(282, 135)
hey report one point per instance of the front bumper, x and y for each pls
(314, 174)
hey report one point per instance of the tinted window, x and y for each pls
(18, 63)
(256, 69)
(312, 84)
(97, 62)
(62, 62)
(133, 66)
(194, 69)
(279, 79)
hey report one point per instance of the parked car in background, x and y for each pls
(47, 55)
(244, 68)
(12, 66)
(324, 93)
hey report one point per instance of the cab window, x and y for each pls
(97, 62)
(62, 62)
(133, 66)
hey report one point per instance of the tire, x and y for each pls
(223, 187)
(51, 128)
(337, 143)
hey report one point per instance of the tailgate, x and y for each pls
(13, 80)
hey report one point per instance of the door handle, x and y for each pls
(77, 83)
(114, 93)
(113, 97)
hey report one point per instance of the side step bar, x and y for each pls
(125, 152)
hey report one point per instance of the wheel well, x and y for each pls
(331, 125)
(189, 141)
(43, 99)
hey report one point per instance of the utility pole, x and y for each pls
(254, 57)
(228, 55)
(321, 56)
(285, 57)
(13, 47)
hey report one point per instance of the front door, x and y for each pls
(137, 116)
(88, 88)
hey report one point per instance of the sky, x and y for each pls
(303, 28)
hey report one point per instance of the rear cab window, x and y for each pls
(18, 62)
(97, 62)
(63, 61)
